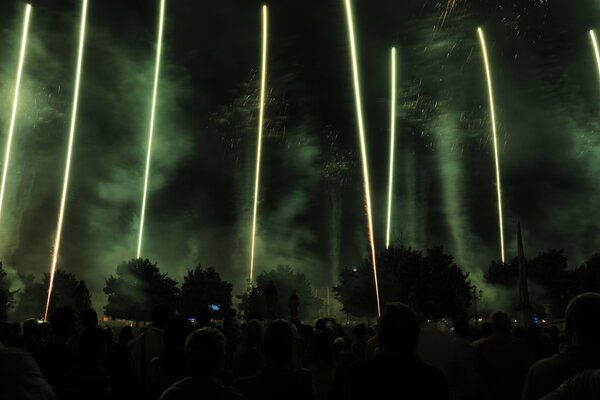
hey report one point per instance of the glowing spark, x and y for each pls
(392, 145)
(495, 136)
(151, 131)
(260, 134)
(596, 50)
(363, 146)
(15, 103)
(65, 188)
(449, 8)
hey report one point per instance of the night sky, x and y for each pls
(311, 213)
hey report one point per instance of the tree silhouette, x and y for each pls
(202, 287)
(589, 275)
(32, 299)
(432, 283)
(137, 287)
(286, 280)
(549, 269)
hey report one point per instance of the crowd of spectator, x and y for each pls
(404, 357)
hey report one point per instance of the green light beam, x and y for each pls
(151, 131)
(13, 118)
(596, 50)
(495, 136)
(363, 146)
(260, 134)
(392, 146)
(65, 188)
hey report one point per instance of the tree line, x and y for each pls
(429, 281)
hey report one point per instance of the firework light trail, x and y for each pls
(261, 114)
(363, 146)
(15, 103)
(495, 136)
(596, 49)
(151, 131)
(63, 200)
(392, 145)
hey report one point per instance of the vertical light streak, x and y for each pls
(392, 146)
(260, 134)
(65, 188)
(151, 131)
(596, 50)
(13, 118)
(363, 146)
(495, 136)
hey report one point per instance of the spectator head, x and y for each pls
(63, 322)
(501, 323)
(254, 332)
(43, 332)
(486, 330)
(321, 325)
(360, 331)
(371, 332)
(125, 335)
(339, 345)
(534, 331)
(320, 349)
(306, 332)
(278, 345)
(205, 352)
(16, 329)
(108, 336)
(398, 330)
(583, 325)
(232, 313)
(92, 346)
(160, 315)
(254, 315)
(204, 317)
(176, 331)
(89, 319)
(30, 328)
(520, 333)
(475, 334)
(461, 328)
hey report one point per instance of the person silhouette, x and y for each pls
(294, 304)
(205, 359)
(395, 371)
(581, 354)
(278, 379)
(271, 298)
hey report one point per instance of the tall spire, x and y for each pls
(523, 287)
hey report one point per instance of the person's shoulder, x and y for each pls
(485, 341)
(585, 385)
(519, 342)
(15, 357)
(557, 361)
